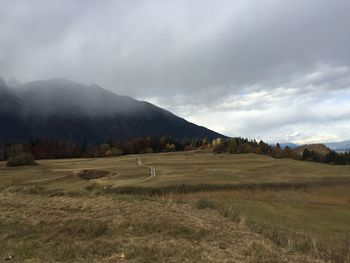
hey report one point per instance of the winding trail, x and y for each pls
(151, 168)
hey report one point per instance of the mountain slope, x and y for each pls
(12, 125)
(63, 109)
(339, 146)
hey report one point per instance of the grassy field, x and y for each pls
(202, 208)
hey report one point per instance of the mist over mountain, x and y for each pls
(13, 82)
(62, 109)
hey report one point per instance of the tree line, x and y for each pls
(243, 145)
(56, 149)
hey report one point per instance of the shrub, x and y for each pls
(21, 159)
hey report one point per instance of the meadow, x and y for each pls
(198, 206)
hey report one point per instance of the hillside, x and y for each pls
(62, 109)
(317, 148)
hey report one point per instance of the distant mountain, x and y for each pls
(335, 146)
(62, 109)
(285, 144)
(339, 146)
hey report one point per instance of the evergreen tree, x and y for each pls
(306, 154)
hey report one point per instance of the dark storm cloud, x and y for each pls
(198, 54)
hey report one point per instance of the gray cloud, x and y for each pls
(249, 59)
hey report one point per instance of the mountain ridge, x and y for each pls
(63, 109)
(340, 146)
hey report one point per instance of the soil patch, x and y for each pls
(92, 174)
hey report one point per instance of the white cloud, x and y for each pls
(310, 108)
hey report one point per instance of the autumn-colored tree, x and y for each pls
(246, 148)
(232, 146)
(219, 148)
(277, 152)
(264, 147)
(289, 153)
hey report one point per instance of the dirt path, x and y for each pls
(151, 168)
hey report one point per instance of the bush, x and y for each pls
(21, 159)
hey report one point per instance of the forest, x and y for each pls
(36, 148)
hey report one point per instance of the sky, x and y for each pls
(273, 70)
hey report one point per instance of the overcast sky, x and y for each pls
(273, 70)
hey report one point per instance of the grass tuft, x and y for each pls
(204, 203)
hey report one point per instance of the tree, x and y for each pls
(149, 150)
(289, 153)
(306, 155)
(331, 157)
(103, 149)
(169, 147)
(2, 154)
(340, 159)
(84, 146)
(23, 158)
(14, 149)
(205, 142)
(246, 148)
(232, 146)
(219, 148)
(216, 141)
(277, 152)
(264, 147)
(347, 157)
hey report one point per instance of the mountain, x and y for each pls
(12, 125)
(62, 109)
(339, 146)
(285, 144)
(13, 82)
(335, 146)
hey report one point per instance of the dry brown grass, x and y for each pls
(48, 214)
(36, 228)
(314, 220)
(338, 195)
